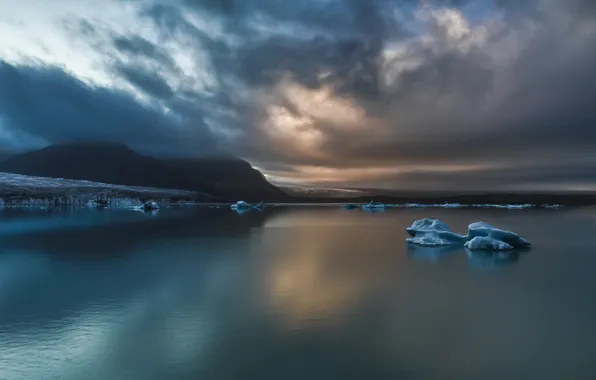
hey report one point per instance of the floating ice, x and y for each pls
(552, 206)
(447, 205)
(459, 205)
(484, 243)
(483, 229)
(431, 241)
(148, 206)
(430, 232)
(242, 205)
(373, 206)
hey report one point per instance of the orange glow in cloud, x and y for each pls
(337, 176)
(298, 125)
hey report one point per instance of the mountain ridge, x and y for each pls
(225, 178)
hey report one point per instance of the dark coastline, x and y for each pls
(25, 190)
(54, 198)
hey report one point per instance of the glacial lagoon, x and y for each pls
(292, 293)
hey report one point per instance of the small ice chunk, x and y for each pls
(484, 243)
(453, 205)
(483, 229)
(240, 205)
(552, 206)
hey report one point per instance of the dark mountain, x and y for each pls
(5, 154)
(228, 176)
(225, 178)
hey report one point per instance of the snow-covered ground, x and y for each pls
(29, 189)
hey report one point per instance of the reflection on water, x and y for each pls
(480, 260)
(491, 260)
(432, 254)
(286, 293)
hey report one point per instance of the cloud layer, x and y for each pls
(491, 94)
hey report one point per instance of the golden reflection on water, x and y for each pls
(318, 269)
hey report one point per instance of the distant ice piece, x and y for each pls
(483, 229)
(98, 203)
(240, 205)
(484, 243)
(373, 206)
(148, 206)
(552, 206)
(459, 205)
(432, 232)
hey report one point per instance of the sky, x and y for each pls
(397, 94)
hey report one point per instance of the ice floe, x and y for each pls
(483, 229)
(484, 243)
(433, 232)
(430, 232)
(373, 206)
(242, 205)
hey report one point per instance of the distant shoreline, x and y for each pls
(128, 203)
(67, 198)
(20, 190)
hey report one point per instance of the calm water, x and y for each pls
(317, 293)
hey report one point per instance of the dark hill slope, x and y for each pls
(225, 178)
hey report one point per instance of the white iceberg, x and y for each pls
(430, 232)
(484, 243)
(483, 229)
(431, 241)
(427, 225)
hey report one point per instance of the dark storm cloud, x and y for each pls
(517, 91)
(48, 103)
(550, 106)
(139, 46)
(147, 81)
(456, 106)
(130, 57)
(347, 17)
(568, 176)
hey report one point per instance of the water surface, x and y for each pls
(292, 293)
